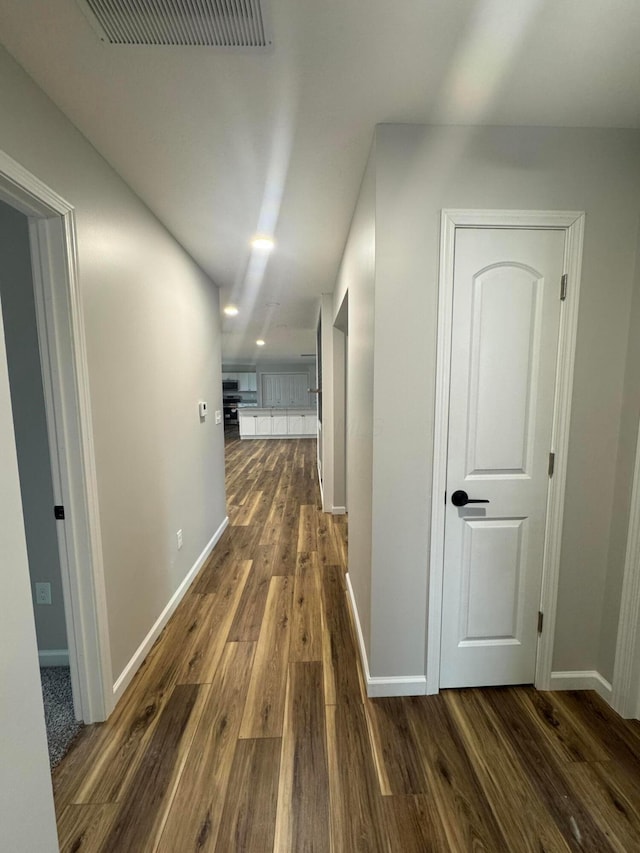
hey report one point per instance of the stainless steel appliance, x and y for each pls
(230, 408)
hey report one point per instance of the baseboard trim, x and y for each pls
(409, 685)
(125, 677)
(339, 510)
(320, 486)
(587, 679)
(377, 687)
(359, 635)
(53, 657)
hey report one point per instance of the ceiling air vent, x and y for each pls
(190, 23)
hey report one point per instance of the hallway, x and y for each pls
(247, 728)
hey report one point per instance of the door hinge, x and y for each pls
(563, 286)
(540, 621)
(552, 463)
(58, 512)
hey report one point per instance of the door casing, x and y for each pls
(572, 224)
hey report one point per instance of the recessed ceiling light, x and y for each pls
(262, 243)
(260, 342)
(231, 310)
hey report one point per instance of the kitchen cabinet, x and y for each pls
(279, 425)
(271, 390)
(299, 389)
(247, 424)
(265, 423)
(295, 425)
(246, 381)
(299, 424)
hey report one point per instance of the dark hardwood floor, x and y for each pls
(248, 728)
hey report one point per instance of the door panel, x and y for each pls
(300, 389)
(502, 357)
(492, 555)
(506, 313)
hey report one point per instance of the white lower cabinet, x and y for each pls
(247, 425)
(303, 424)
(278, 425)
(295, 425)
(263, 425)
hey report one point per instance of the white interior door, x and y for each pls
(506, 312)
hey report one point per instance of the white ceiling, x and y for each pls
(221, 145)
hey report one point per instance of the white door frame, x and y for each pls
(66, 390)
(626, 671)
(572, 223)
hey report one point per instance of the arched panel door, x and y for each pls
(506, 312)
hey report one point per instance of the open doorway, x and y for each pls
(61, 360)
(341, 370)
(36, 481)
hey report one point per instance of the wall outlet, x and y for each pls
(43, 593)
(179, 539)
(218, 416)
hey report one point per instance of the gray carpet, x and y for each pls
(62, 726)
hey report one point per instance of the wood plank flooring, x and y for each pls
(248, 729)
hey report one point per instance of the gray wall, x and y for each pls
(628, 438)
(153, 346)
(420, 171)
(27, 399)
(356, 277)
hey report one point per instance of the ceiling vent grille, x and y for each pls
(192, 23)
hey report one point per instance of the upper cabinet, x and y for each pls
(246, 381)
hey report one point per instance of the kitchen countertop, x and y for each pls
(255, 410)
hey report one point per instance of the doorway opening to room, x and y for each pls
(52, 423)
(17, 301)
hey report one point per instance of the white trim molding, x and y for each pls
(572, 223)
(53, 657)
(401, 685)
(377, 687)
(582, 680)
(339, 510)
(127, 674)
(626, 671)
(320, 486)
